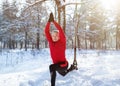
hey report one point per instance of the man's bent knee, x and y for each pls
(51, 68)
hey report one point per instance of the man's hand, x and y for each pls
(51, 18)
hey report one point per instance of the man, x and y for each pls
(57, 44)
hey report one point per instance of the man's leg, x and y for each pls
(52, 69)
(63, 70)
(53, 78)
(56, 67)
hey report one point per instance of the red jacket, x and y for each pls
(57, 49)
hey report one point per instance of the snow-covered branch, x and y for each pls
(71, 3)
(30, 5)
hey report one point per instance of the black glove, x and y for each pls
(51, 18)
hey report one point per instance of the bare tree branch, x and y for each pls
(37, 2)
(74, 3)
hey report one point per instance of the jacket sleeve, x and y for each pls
(47, 32)
(61, 33)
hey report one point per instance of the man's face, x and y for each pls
(55, 36)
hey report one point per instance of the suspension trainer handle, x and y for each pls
(75, 64)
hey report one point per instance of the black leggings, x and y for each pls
(56, 67)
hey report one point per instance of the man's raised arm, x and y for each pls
(61, 33)
(47, 32)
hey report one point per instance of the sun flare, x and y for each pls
(109, 4)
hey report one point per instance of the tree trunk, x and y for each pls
(64, 18)
(105, 47)
(26, 41)
(46, 43)
(78, 40)
(21, 44)
(38, 40)
(10, 43)
(116, 39)
(38, 34)
(59, 10)
(85, 42)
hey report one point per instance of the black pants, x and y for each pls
(56, 67)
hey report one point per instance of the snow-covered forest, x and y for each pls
(22, 23)
(24, 50)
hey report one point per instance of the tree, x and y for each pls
(9, 16)
(34, 15)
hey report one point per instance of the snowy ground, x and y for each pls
(30, 68)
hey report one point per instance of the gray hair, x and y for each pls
(56, 31)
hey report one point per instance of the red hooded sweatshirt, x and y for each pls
(57, 49)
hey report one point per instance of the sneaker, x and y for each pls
(72, 67)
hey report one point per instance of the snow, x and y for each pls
(31, 68)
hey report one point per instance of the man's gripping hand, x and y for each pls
(51, 18)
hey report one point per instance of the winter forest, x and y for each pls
(92, 30)
(22, 23)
